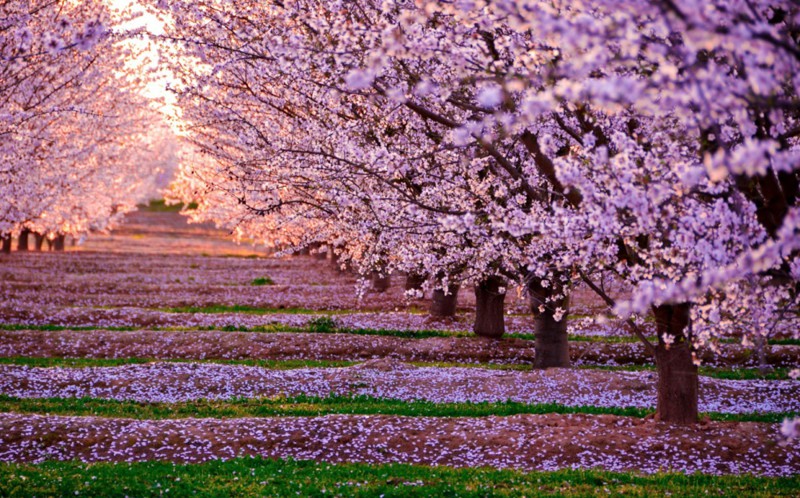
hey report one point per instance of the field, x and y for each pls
(165, 359)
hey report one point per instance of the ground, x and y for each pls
(167, 342)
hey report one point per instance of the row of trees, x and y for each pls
(500, 144)
(79, 144)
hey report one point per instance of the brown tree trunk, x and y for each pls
(380, 281)
(444, 305)
(38, 241)
(335, 260)
(6, 245)
(678, 390)
(552, 342)
(22, 245)
(315, 250)
(490, 308)
(761, 345)
(414, 281)
(58, 243)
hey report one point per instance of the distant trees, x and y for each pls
(79, 141)
(501, 144)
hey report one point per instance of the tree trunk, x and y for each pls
(552, 342)
(316, 250)
(335, 260)
(6, 245)
(380, 281)
(22, 245)
(761, 345)
(489, 308)
(341, 265)
(414, 281)
(444, 305)
(58, 242)
(677, 374)
(38, 241)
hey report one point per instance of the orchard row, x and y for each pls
(80, 144)
(502, 144)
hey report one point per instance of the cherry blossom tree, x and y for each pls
(527, 142)
(675, 124)
(397, 188)
(76, 148)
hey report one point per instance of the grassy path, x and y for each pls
(314, 406)
(289, 478)
(712, 372)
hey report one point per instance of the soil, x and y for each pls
(331, 346)
(386, 379)
(157, 261)
(528, 442)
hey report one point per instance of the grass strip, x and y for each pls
(161, 206)
(712, 372)
(286, 477)
(778, 373)
(59, 328)
(305, 406)
(116, 362)
(320, 326)
(254, 310)
(324, 325)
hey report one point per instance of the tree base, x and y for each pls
(552, 341)
(414, 282)
(678, 390)
(380, 281)
(59, 243)
(490, 309)
(444, 305)
(22, 245)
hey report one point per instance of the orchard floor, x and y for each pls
(158, 343)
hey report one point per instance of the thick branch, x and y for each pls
(609, 301)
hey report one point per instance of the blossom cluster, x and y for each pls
(525, 141)
(80, 144)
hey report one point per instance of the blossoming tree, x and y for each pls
(527, 142)
(77, 148)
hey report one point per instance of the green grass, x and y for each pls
(250, 310)
(314, 325)
(787, 341)
(613, 339)
(233, 255)
(323, 324)
(262, 281)
(713, 372)
(245, 477)
(58, 328)
(302, 406)
(160, 206)
(330, 326)
(273, 364)
(270, 328)
(115, 362)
